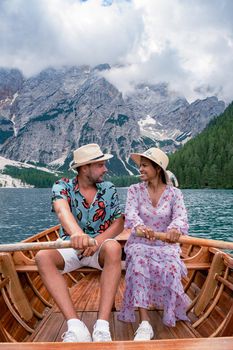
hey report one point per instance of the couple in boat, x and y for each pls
(87, 206)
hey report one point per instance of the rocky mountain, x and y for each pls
(45, 117)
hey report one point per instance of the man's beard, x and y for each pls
(96, 180)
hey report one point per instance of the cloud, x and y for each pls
(188, 44)
(39, 33)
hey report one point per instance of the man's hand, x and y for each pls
(79, 241)
(89, 251)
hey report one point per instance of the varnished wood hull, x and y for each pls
(29, 316)
(170, 344)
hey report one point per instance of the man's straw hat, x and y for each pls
(88, 154)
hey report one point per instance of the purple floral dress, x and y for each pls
(154, 268)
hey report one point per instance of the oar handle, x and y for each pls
(40, 245)
(191, 240)
(162, 236)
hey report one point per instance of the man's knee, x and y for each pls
(42, 258)
(48, 258)
(112, 249)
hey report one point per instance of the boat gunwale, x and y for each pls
(225, 343)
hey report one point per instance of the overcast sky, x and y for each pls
(187, 43)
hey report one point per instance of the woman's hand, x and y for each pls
(173, 235)
(147, 232)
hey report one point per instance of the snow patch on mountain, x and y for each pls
(7, 181)
(60, 161)
(125, 166)
(5, 161)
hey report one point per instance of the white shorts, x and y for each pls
(73, 261)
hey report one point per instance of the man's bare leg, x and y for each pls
(49, 263)
(110, 259)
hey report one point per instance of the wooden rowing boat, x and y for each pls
(30, 319)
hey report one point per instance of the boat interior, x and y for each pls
(29, 316)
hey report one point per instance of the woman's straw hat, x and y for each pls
(88, 154)
(157, 156)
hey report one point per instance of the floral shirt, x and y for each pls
(94, 218)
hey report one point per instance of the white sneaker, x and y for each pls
(79, 334)
(144, 331)
(101, 335)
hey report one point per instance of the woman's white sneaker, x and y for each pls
(144, 331)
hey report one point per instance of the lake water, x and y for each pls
(24, 212)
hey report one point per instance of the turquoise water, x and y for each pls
(24, 212)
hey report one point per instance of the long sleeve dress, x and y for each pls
(154, 268)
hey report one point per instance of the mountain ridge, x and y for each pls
(45, 117)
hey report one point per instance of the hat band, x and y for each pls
(90, 160)
(97, 157)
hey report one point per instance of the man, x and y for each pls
(86, 207)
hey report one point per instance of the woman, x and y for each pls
(154, 268)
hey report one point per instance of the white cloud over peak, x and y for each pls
(188, 44)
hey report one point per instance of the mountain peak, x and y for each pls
(45, 117)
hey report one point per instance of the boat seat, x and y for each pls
(198, 265)
(26, 268)
(34, 268)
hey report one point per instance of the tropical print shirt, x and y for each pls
(94, 218)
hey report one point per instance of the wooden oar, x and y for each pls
(192, 240)
(40, 245)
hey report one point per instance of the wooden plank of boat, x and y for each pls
(191, 240)
(225, 343)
